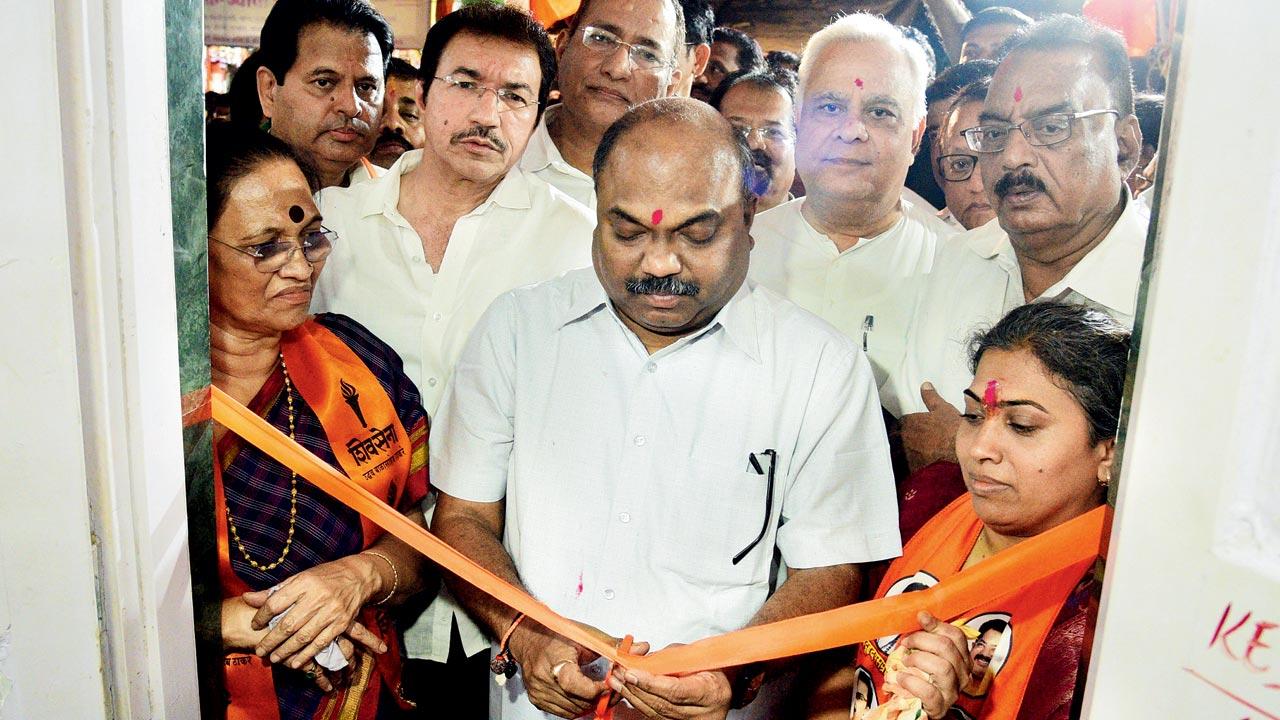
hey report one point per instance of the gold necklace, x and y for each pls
(293, 491)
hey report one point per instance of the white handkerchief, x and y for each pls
(330, 658)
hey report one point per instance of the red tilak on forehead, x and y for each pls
(1017, 94)
(656, 218)
(991, 398)
(858, 82)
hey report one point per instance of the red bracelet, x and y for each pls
(502, 666)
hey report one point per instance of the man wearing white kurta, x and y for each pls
(1055, 140)
(856, 248)
(424, 249)
(631, 444)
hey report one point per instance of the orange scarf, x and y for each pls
(373, 449)
(1011, 628)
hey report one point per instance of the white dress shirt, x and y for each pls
(977, 280)
(868, 291)
(542, 158)
(627, 477)
(524, 232)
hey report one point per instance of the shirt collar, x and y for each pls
(1109, 274)
(739, 317)
(541, 152)
(383, 194)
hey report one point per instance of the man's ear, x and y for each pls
(266, 91)
(1128, 144)
(701, 56)
(917, 135)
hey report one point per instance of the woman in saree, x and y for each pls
(306, 581)
(1035, 447)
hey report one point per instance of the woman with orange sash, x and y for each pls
(306, 582)
(1035, 446)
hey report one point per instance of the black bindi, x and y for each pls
(296, 214)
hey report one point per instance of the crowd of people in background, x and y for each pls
(678, 335)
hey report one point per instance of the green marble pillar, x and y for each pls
(184, 20)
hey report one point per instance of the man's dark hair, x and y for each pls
(782, 59)
(1150, 111)
(1061, 32)
(955, 78)
(246, 107)
(576, 21)
(750, 56)
(1084, 350)
(231, 153)
(998, 15)
(672, 111)
(923, 41)
(278, 44)
(975, 91)
(993, 624)
(401, 70)
(699, 22)
(763, 79)
(488, 20)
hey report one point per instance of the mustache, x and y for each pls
(484, 133)
(669, 285)
(762, 177)
(354, 123)
(388, 137)
(1023, 180)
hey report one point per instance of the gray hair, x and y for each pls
(864, 27)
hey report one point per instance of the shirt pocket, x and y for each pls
(710, 512)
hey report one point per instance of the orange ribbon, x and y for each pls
(1074, 544)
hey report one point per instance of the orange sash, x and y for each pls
(1011, 627)
(373, 449)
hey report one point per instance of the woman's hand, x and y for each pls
(238, 634)
(322, 604)
(936, 664)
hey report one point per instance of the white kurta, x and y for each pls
(524, 232)
(542, 158)
(627, 477)
(977, 280)
(868, 291)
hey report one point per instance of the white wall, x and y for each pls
(1199, 500)
(93, 483)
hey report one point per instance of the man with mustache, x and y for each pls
(760, 107)
(854, 250)
(426, 247)
(632, 443)
(619, 53)
(320, 83)
(956, 165)
(1055, 141)
(731, 51)
(402, 128)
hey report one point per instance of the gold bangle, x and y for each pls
(395, 574)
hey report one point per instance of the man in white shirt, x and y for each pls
(854, 249)
(1055, 141)
(763, 110)
(632, 444)
(321, 83)
(424, 249)
(619, 53)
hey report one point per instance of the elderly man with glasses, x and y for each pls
(1055, 140)
(620, 53)
(447, 229)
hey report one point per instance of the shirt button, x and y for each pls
(436, 316)
(417, 259)
(624, 517)
(608, 594)
(650, 368)
(431, 382)
(639, 440)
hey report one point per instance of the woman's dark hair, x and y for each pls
(1083, 349)
(488, 20)
(231, 153)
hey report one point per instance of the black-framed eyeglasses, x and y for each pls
(268, 257)
(754, 461)
(957, 168)
(1041, 130)
(508, 98)
(603, 42)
